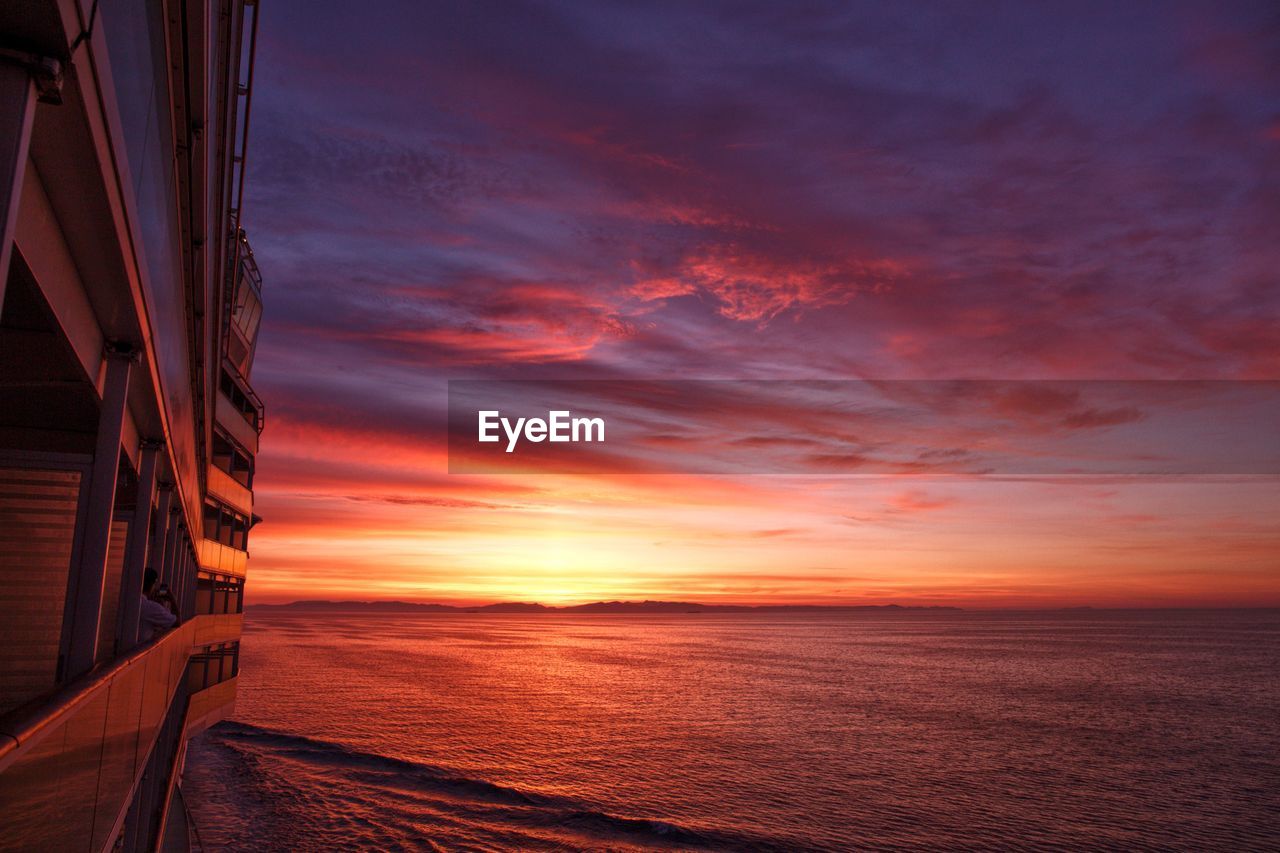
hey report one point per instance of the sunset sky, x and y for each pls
(803, 191)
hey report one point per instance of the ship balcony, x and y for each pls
(211, 705)
(221, 559)
(217, 628)
(244, 310)
(230, 474)
(229, 490)
(239, 411)
(211, 685)
(223, 549)
(70, 763)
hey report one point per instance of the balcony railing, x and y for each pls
(244, 311)
(69, 765)
(223, 559)
(211, 705)
(231, 419)
(217, 628)
(230, 491)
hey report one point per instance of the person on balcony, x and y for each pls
(159, 611)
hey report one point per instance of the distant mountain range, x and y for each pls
(594, 607)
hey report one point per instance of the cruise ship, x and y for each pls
(128, 420)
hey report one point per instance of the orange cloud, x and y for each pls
(754, 287)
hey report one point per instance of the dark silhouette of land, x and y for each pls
(594, 607)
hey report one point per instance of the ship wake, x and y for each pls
(321, 795)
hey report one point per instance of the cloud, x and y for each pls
(915, 501)
(762, 191)
(1090, 418)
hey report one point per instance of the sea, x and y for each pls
(1137, 730)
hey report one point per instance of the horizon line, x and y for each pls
(764, 606)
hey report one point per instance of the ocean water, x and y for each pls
(1121, 730)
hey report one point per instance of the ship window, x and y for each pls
(225, 525)
(228, 457)
(204, 593)
(212, 517)
(219, 594)
(197, 672)
(234, 589)
(248, 308)
(213, 665)
(240, 400)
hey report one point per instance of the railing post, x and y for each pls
(86, 589)
(17, 108)
(24, 79)
(187, 572)
(180, 587)
(160, 530)
(135, 550)
(189, 591)
(141, 836)
(179, 560)
(179, 569)
(172, 544)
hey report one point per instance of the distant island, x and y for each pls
(594, 607)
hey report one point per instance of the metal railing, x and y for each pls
(69, 764)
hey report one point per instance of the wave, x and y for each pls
(485, 807)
